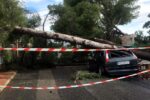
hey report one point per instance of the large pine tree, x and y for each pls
(116, 12)
(11, 15)
(90, 18)
(76, 17)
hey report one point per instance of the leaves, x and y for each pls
(142, 40)
(147, 25)
(11, 14)
(90, 18)
(116, 12)
(9, 10)
(76, 17)
(34, 21)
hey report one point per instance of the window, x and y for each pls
(119, 53)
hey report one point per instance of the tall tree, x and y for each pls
(90, 18)
(76, 17)
(116, 12)
(141, 39)
(34, 21)
(11, 14)
(147, 25)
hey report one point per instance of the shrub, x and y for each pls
(7, 57)
(82, 75)
(65, 58)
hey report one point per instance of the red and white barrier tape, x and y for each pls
(66, 50)
(74, 86)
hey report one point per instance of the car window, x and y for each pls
(119, 53)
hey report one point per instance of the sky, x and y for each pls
(40, 6)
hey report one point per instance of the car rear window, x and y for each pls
(119, 53)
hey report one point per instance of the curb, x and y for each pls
(7, 82)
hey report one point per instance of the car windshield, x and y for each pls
(119, 53)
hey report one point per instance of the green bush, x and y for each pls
(65, 58)
(49, 58)
(82, 75)
(28, 59)
(7, 57)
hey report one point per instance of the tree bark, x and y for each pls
(77, 40)
(45, 21)
(103, 41)
(142, 54)
(60, 36)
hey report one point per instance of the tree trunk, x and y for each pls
(142, 54)
(60, 36)
(103, 41)
(45, 21)
(99, 43)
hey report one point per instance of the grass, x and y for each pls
(83, 75)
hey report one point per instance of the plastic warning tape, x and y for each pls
(67, 50)
(74, 86)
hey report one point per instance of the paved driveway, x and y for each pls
(128, 89)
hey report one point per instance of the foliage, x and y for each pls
(80, 19)
(34, 21)
(92, 18)
(82, 75)
(116, 12)
(29, 58)
(65, 58)
(11, 14)
(142, 40)
(147, 25)
(8, 57)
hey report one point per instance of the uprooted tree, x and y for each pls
(56, 36)
(96, 43)
(60, 36)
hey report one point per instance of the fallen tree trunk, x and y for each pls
(142, 54)
(97, 43)
(63, 37)
(103, 41)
